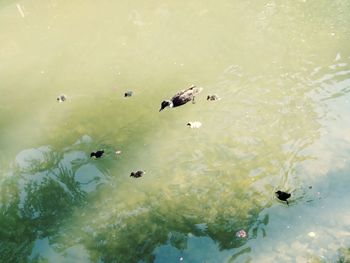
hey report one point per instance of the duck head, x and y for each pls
(166, 103)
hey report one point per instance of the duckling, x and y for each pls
(194, 124)
(61, 98)
(97, 154)
(128, 93)
(137, 174)
(182, 97)
(213, 97)
(283, 196)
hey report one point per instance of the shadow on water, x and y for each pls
(344, 255)
(41, 190)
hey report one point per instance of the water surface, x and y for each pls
(282, 71)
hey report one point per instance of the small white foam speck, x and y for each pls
(311, 234)
(337, 57)
(20, 10)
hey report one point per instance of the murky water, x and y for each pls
(282, 70)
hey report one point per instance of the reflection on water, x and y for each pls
(282, 71)
(40, 192)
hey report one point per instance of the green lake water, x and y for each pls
(282, 69)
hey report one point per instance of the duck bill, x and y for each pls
(161, 109)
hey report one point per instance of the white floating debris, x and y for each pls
(20, 10)
(194, 124)
(181, 258)
(241, 233)
(311, 234)
(337, 57)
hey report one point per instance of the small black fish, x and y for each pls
(283, 196)
(137, 174)
(128, 94)
(97, 154)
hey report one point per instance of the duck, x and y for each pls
(137, 174)
(97, 154)
(182, 97)
(128, 93)
(213, 97)
(61, 98)
(283, 196)
(194, 124)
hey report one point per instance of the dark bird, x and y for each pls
(182, 97)
(283, 196)
(137, 174)
(128, 94)
(61, 98)
(97, 154)
(213, 97)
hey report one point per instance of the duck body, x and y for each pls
(182, 97)
(97, 154)
(283, 196)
